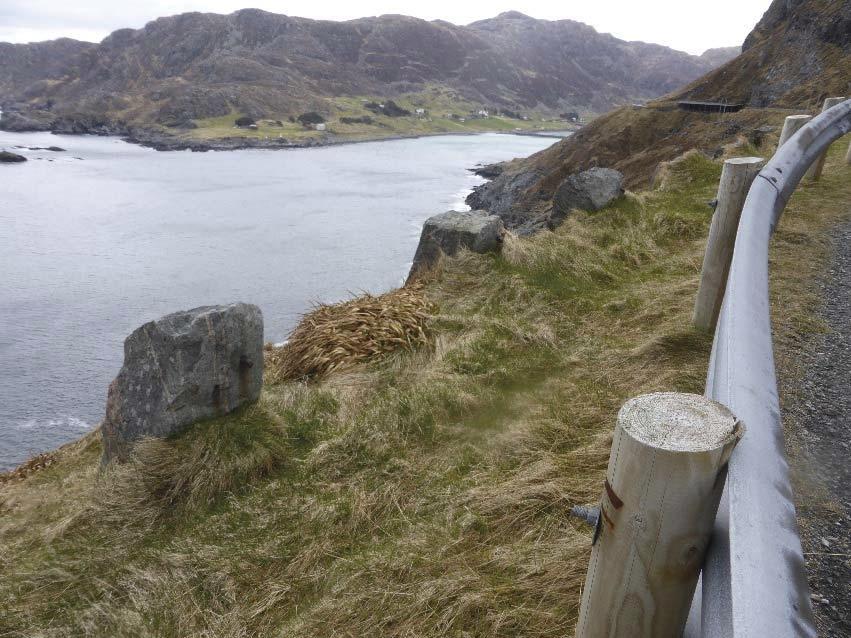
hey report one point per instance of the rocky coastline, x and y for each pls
(159, 140)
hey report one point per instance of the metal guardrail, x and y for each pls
(754, 580)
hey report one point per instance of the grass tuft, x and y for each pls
(333, 337)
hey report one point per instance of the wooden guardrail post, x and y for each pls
(791, 125)
(814, 174)
(736, 179)
(665, 477)
(848, 154)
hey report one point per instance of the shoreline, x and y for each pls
(40, 455)
(163, 142)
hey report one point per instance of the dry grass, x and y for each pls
(333, 337)
(424, 493)
(35, 464)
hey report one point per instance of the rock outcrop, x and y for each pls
(10, 158)
(450, 232)
(589, 190)
(34, 120)
(181, 368)
(499, 195)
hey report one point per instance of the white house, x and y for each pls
(482, 113)
(420, 111)
(320, 126)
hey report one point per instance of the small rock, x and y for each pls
(10, 158)
(589, 190)
(489, 171)
(446, 234)
(758, 135)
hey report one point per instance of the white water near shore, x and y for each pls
(97, 240)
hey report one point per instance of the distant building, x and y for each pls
(482, 113)
(320, 126)
(420, 111)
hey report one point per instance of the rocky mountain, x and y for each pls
(798, 54)
(196, 65)
(31, 65)
(721, 55)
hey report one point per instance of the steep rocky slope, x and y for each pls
(191, 66)
(798, 54)
(36, 65)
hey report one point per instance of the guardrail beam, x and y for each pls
(754, 579)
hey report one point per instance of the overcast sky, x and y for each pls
(683, 24)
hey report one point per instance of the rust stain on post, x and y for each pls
(605, 516)
(612, 496)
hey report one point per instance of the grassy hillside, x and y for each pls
(425, 494)
(445, 112)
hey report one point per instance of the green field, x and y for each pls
(437, 101)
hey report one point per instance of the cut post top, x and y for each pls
(679, 422)
(744, 160)
(791, 125)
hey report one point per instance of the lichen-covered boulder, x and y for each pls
(589, 190)
(181, 368)
(448, 233)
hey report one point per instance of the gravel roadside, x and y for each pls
(817, 413)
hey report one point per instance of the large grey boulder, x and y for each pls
(448, 233)
(181, 368)
(589, 190)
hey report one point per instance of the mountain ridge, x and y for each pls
(183, 68)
